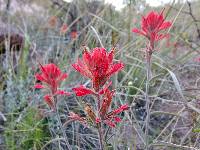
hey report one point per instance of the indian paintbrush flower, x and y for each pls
(151, 26)
(98, 66)
(51, 78)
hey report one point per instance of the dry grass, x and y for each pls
(174, 86)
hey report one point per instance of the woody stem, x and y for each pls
(62, 129)
(148, 72)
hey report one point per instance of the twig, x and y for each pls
(172, 145)
(193, 17)
(63, 131)
(95, 32)
(176, 17)
(61, 126)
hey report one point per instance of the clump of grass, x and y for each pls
(26, 131)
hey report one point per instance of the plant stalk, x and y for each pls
(148, 72)
(63, 131)
(100, 137)
(99, 126)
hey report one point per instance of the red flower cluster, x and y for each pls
(51, 77)
(82, 91)
(106, 116)
(151, 25)
(98, 65)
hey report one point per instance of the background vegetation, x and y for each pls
(30, 33)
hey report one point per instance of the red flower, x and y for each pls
(49, 100)
(82, 91)
(61, 92)
(118, 110)
(106, 103)
(38, 86)
(110, 121)
(98, 66)
(63, 29)
(110, 118)
(51, 76)
(76, 117)
(151, 25)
